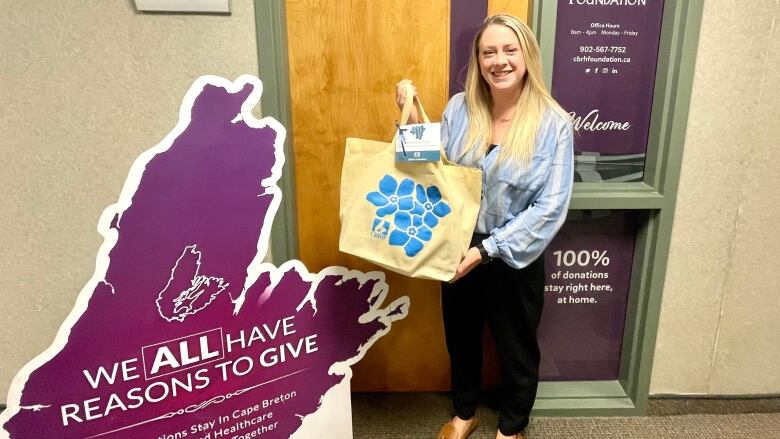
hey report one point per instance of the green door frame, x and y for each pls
(273, 65)
(655, 195)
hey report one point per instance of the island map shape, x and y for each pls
(183, 330)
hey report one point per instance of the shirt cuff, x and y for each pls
(491, 247)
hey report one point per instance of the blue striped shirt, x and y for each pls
(522, 208)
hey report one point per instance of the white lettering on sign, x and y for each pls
(166, 357)
(609, 2)
(591, 123)
(182, 353)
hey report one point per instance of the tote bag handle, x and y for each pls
(406, 111)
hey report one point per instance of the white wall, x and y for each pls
(86, 86)
(720, 320)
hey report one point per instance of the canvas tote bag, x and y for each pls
(412, 218)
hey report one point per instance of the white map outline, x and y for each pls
(334, 400)
(192, 248)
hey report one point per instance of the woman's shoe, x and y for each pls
(448, 431)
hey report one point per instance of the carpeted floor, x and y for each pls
(419, 415)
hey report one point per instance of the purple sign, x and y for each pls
(604, 75)
(183, 331)
(588, 268)
(466, 17)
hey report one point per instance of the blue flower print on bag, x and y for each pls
(392, 196)
(429, 205)
(416, 210)
(410, 232)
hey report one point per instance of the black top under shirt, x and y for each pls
(477, 238)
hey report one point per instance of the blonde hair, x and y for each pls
(518, 144)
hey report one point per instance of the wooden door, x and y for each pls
(345, 57)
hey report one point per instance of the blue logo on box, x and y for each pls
(418, 131)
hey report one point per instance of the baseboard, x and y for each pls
(712, 396)
(670, 405)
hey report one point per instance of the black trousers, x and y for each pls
(510, 301)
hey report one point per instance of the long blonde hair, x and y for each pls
(518, 145)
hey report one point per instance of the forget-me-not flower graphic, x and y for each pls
(418, 131)
(415, 209)
(429, 205)
(410, 232)
(392, 196)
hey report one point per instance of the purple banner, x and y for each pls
(604, 71)
(588, 268)
(183, 331)
(466, 16)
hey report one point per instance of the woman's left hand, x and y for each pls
(471, 260)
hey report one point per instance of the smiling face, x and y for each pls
(501, 61)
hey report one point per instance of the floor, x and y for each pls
(420, 415)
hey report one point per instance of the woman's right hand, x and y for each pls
(400, 99)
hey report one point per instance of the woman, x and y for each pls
(507, 124)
